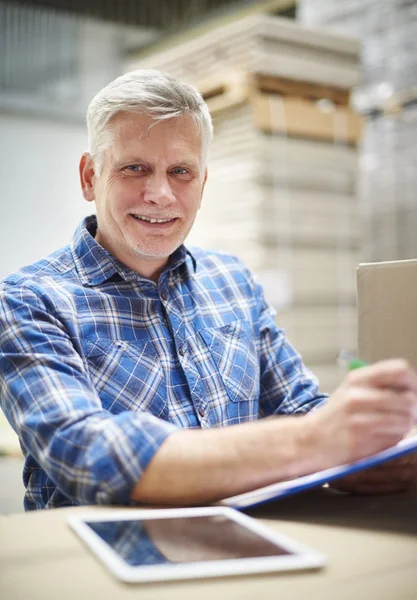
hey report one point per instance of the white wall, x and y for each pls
(40, 198)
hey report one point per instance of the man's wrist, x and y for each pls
(308, 445)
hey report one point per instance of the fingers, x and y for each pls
(387, 487)
(388, 387)
(368, 419)
(393, 373)
(380, 413)
(373, 409)
(409, 461)
(388, 400)
(394, 476)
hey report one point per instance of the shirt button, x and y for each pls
(201, 411)
(182, 350)
(164, 296)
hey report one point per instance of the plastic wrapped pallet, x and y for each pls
(388, 30)
(345, 17)
(387, 97)
(388, 183)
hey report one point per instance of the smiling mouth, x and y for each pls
(151, 220)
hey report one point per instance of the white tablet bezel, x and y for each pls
(301, 559)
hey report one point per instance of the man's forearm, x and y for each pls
(195, 466)
(372, 409)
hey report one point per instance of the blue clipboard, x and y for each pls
(293, 486)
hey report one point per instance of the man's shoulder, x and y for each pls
(55, 267)
(216, 260)
(223, 271)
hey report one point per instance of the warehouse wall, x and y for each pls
(41, 201)
(53, 64)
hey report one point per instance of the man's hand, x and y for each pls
(373, 409)
(396, 475)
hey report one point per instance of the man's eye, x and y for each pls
(134, 168)
(179, 171)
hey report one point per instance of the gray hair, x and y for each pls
(149, 92)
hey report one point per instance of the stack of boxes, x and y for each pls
(282, 169)
(387, 98)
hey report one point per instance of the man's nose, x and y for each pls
(158, 191)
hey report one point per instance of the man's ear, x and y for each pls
(87, 175)
(203, 186)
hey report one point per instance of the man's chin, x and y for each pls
(156, 249)
(155, 254)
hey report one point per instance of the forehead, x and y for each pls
(137, 131)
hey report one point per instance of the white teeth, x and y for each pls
(151, 220)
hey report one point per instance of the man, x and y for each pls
(135, 370)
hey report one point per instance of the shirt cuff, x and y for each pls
(134, 439)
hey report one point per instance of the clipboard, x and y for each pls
(294, 486)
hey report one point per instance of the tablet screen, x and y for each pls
(183, 540)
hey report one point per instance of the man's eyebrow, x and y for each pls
(191, 164)
(130, 160)
(137, 160)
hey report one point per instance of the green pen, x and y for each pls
(350, 362)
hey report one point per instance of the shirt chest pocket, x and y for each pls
(127, 375)
(233, 350)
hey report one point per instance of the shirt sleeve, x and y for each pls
(92, 456)
(287, 385)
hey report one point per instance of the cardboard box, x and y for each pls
(301, 117)
(387, 310)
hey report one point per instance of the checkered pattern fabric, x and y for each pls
(98, 365)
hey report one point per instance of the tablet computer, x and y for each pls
(140, 545)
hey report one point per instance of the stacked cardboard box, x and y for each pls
(261, 44)
(282, 168)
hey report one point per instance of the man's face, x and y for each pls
(148, 191)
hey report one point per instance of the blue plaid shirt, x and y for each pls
(98, 365)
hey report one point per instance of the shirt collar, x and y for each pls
(95, 265)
